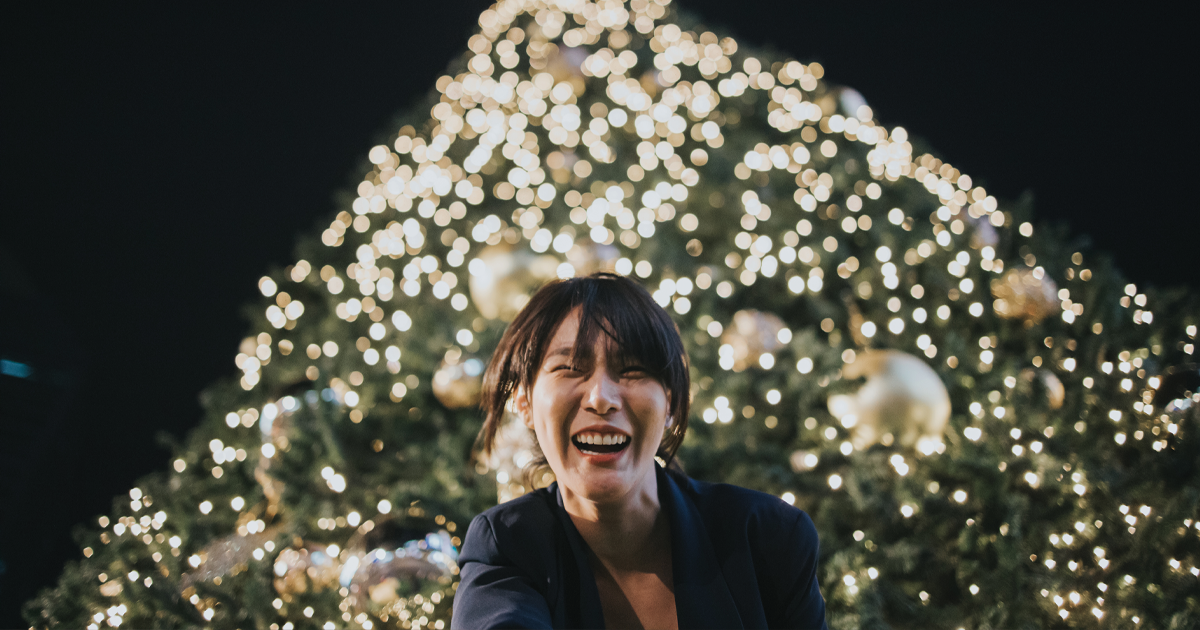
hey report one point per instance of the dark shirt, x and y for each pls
(740, 559)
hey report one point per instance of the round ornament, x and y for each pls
(503, 278)
(304, 569)
(902, 397)
(399, 570)
(1045, 385)
(458, 380)
(751, 335)
(1021, 294)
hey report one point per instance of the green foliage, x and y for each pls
(1047, 488)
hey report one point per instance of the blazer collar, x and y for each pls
(702, 598)
(586, 611)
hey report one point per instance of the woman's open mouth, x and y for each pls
(591, 443)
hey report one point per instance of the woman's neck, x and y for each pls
(619, 532)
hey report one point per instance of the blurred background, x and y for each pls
(158, 161)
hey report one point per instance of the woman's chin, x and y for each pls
(600, 484)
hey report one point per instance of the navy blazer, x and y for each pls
(740, 559)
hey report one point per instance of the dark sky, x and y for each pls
(156, 162)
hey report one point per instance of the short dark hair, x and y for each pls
(620, 308)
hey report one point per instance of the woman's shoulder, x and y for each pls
(529, 513)
(727, 503)
(524, 535)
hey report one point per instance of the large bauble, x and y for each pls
(458, 381)
(751, 335)
(503, 278)
(1044, 386)
(902, 396)
(400, 569)
(1021, 294)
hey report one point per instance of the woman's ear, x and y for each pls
(521, 407)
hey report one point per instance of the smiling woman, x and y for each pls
(622, 539)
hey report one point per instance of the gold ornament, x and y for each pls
(304, 569)
(1021, 294)
(751, 335)
(1047, 385)
(903, 397)
(458, 380)
(503, 278)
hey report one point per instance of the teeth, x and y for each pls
(606, 439)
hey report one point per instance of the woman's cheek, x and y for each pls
(555, 426)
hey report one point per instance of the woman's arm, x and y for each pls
(494, 591)
(800, 604)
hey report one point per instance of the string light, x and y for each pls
(574, 128)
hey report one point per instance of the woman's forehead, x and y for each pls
(571, 347)
(568, 341)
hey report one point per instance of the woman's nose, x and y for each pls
(603, 393)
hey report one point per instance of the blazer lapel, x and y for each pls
(702, 598)
(577, 579)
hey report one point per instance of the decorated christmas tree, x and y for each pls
(988, 426)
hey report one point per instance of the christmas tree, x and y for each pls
(988, 426)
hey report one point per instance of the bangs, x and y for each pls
(632, 336)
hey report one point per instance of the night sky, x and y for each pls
(157, 162)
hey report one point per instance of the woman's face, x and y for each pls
(599, 422)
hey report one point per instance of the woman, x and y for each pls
(596, 369)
